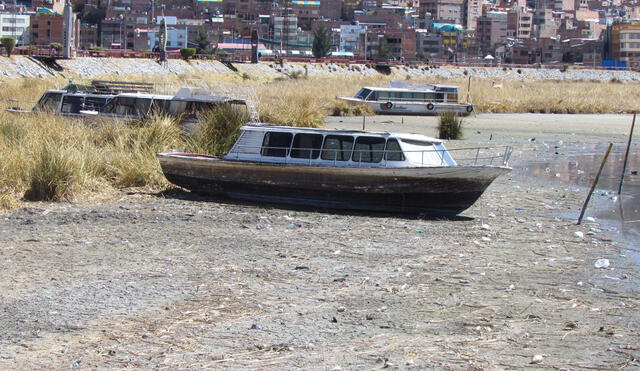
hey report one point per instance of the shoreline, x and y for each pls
(181, 281)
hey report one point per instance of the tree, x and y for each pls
(187, 53)
(202, 41)
(385, 52)
(8, 43)
(321, 42)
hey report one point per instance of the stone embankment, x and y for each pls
(22, 66)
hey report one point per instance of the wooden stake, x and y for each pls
(626, 155)
(595, 182)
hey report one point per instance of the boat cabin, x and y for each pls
(76, 99)
(280, 144)
(429, 93)
(70, 104)
(187, 102)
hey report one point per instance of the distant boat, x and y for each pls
(80, 100)
(406, 173)
(406, 99)
(129, 101)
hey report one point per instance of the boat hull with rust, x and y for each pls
(446, 190)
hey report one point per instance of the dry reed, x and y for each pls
(81, 159)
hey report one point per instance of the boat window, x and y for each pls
(276, 144)
(430, 96)
(383, 95)
(337, 147)
(123, 106)
(363, 93)
(94, 103)
(160, 106)
(72, 104)
(393, 151)
(49, 102)
(193, 108)
(142, 106)
(177, 107)
(368, 149)
(306, 146)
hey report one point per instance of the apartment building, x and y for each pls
(520, 23)
(625, 43)
(15, 25)
(492, 29)
(445, 11)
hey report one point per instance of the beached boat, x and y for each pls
(130, 101)
(186, 104)
(78, 100)
(405, 99)
(406, 173)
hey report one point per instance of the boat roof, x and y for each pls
(292, 129)
(413, 88)
(187, 94)
(81, 93)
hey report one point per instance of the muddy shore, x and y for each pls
(179, 281)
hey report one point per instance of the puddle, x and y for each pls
(620, 213)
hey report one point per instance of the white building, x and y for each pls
(16, 26)
(352, 38)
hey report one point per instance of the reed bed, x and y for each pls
(45, 157)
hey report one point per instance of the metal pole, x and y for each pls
(364, 119)
(626, 154)
(595, 182)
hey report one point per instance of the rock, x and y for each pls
(578, 234)
(537, 359)
(602, 263)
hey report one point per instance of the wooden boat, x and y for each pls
(405, 99)
(391, 172)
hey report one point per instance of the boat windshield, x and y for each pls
(76, 103)
(48, 102)
(363, 93)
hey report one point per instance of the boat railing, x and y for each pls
(472, 156)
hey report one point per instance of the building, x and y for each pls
(428, 43)
(444, 11)
(284, 29)
(520, 24)
(473, 10)
(625, 43)
(17, 26)
(46, 28)
(492, 30)
(352, 39)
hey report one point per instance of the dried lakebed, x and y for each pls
(179, 281)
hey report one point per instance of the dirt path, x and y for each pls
(184, 282)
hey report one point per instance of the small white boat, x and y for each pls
(406, 173)
(405, 99)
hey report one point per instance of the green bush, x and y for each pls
(449, 126)
(219, 129)
(9, 43)
(187, 53)
(57, 46)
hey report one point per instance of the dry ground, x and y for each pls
(177, 281)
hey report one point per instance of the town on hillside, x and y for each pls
(535, 32)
